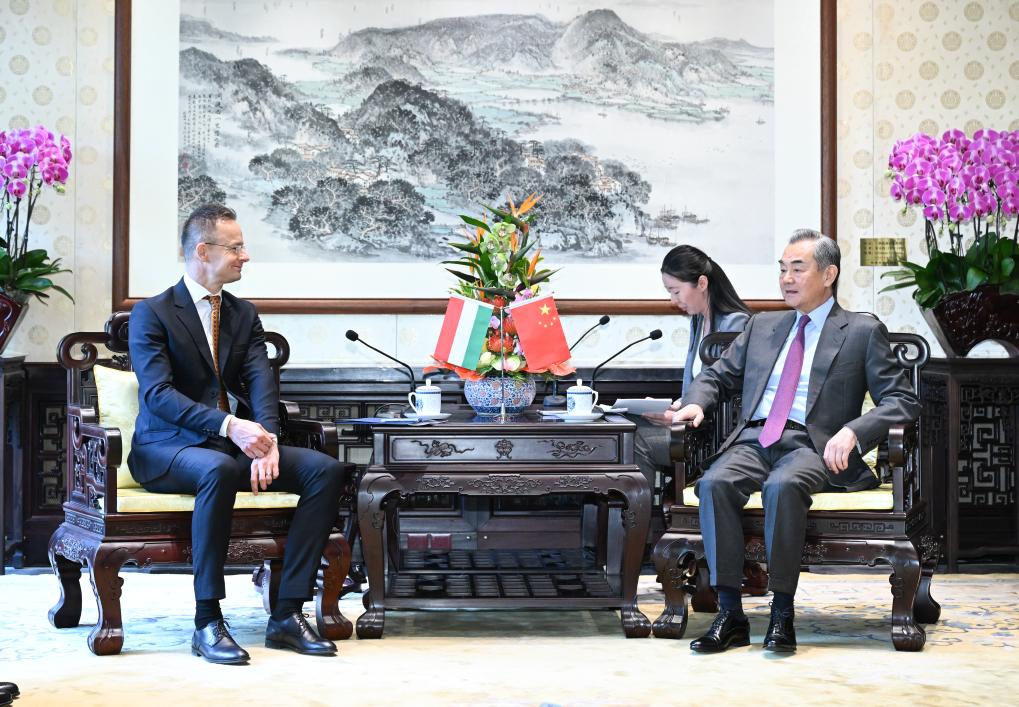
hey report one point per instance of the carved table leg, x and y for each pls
(669, 560)
(330, 622)
(351, 531)
(391, 505)
(704, 600)
(107, 637)
(636, 517)
(67, 611)
(602, 533)
(755, 579)
(372, 493)
(269, 586)
(925, 609)
(907, 635)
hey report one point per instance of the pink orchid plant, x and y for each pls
(959, 182)
(30, 160)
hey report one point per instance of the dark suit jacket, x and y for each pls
(177, 384)
(853, 356)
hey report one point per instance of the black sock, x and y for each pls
(781, 601)
(206, 611)
(730, 599)
(286, 607)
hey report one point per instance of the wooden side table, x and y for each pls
(12, 388)
(524, 457)
(971, 426)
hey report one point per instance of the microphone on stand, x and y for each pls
(555, 400)
(601, 322)
(352, 335)
(654, 336)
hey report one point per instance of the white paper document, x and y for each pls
(638, 406)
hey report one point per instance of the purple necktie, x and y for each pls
(786, 393)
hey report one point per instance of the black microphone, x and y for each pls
(601, 322)
(352, 335)
(654, 336)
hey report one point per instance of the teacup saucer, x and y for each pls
(608, 408)
(579, 416)
(421, 416)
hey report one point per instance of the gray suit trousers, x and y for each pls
(786, 473)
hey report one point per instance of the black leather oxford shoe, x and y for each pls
(729, 629)
(781, 636)
(293, 633)
(10, 688)
(5, 698)
(216, 645)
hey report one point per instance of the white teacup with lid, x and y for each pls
(580, 399)
(426, 399)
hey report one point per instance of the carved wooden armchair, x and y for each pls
(891, 524)
(109, 520)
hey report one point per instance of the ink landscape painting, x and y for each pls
(348, 131)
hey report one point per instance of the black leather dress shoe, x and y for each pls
(10, 688)
(216, 645)
(5, 698)
(293, 633)
(781, 636)
(729, 629)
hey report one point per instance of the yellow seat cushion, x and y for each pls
(879, 499)
(138, 500)
(118, 407)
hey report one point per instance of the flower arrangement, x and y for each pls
(500, 270)
(29, 161)
(960, 183)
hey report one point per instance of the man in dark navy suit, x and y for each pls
(207, 425)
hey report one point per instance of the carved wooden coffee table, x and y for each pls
(523, 456)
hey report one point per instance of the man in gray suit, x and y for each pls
(803, 376)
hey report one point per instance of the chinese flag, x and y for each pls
(540, 332)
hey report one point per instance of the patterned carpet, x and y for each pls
(528, 658)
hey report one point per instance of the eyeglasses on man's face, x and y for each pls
(234, 249)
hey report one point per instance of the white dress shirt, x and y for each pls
(811, 334)
(204, 307)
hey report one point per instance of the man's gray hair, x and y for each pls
(201, 225)
(826, 251)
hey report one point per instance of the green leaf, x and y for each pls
(64, 292)
(465, 263)
(463, 276)
(467, 247)
(900, 274)
(34, 258)
(476, 222)
(485, 264)
(974, 278)
(898, 286)
(33, 284)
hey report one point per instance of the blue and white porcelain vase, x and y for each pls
(486, 395)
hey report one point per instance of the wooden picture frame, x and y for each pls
(123, 299)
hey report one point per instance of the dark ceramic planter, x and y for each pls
(11, 314)
(962, 320)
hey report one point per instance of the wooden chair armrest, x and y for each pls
(896, 445)
(902, 450)
(688, 447)
(96, 452)
(303, 432)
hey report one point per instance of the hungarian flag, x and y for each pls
(462, 337)
(540, 332)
